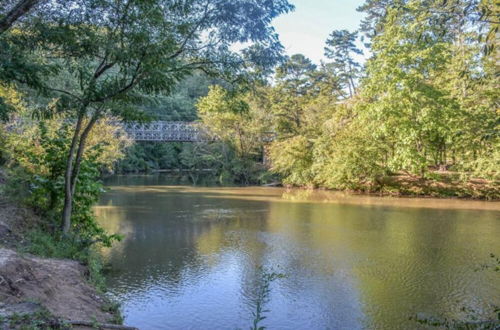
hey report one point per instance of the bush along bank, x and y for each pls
(60, 273)
(48, 281)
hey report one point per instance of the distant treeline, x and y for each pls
(423, 108)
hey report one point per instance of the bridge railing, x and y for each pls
(167, 131)
(160, 131)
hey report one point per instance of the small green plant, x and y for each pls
(263, 297)
(41, 319)
(113, 308)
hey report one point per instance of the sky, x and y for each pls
(306, 29)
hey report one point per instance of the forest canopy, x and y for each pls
(423, 108)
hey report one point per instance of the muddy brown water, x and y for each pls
(193, 257)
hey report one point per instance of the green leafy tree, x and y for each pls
(294, 74)
(426, 103)
(413, 114)
(36, 153)
(180, 105)
(240, 124)
(341, 48)
(111, 52)
(293, 84)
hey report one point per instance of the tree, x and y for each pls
(375, 12)
(341, 49)
(285, 100)
(36, 155)
(241, 125)
(293, 75)
(429, 87)
(16, 65)
(427, 102)
(110, 53)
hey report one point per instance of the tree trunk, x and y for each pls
(350, 81)
(68, 196)
(22, 8)
(350, 88)
(81, 149)
(353, 86)
(75, 170)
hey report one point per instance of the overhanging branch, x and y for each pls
(22, 8)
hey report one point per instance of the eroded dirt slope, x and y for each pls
(58, 285)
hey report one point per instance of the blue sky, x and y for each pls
(306, 29)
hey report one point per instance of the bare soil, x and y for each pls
(58, 285)
(29, 284)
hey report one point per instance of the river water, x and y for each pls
(194, 257)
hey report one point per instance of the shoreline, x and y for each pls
(393, 186)
(42, 291)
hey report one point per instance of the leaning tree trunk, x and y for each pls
(73, 169)
(68, 195)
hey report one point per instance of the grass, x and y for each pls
(113, 308)
(41, 319)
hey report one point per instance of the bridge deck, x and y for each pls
(166, 131)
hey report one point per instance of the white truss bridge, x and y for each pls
(167, 131)
(159, 131)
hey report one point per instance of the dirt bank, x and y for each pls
(44, 293)
(58, 285)
(15, 220)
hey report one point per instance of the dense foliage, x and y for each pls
(101, 58)
(424, 109)
(177, 106)
(36, 155)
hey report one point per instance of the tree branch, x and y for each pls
(191, 33)
(133, 81)
(64, 92)
(22, 8)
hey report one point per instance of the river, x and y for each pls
(194, 257)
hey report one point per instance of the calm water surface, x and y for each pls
(192, 258)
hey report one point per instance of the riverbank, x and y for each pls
(437, 185)
(37, 291)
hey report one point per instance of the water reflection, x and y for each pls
(191, 257)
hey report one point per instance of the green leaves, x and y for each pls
(38, 154)
(427, 101)
(341, 48)
(104, 50)
(263, 296)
